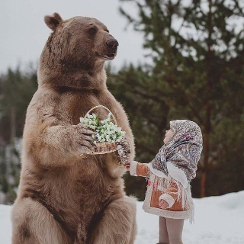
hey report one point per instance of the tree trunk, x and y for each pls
(12, 130)
(203, 183)
(12, 124)
(205, 161)
(207, 119)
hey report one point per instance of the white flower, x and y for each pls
(81, 119)
(105, 129)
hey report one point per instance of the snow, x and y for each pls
(218, 220)
(5, 224)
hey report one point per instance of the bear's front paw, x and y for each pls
(83, 142)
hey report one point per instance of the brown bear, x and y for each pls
(64, 198)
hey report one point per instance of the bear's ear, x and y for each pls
(53, 21)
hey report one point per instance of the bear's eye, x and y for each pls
(92, 30)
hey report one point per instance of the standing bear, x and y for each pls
(64, 198)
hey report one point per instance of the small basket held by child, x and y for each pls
(108, 134)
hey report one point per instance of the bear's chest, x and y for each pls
(74, 105)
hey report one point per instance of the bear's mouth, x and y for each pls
(109, 56)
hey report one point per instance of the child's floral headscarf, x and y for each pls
(183, 150)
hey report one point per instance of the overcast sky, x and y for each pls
(24, 33)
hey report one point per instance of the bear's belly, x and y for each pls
(72, 195)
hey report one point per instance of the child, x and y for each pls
(170, 173)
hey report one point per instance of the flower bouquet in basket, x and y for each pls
(107, 133)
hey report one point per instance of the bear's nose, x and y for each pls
(112, 43)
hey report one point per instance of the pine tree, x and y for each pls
(16, 90)
(147, 116)
(198, 57)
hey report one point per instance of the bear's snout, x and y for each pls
(112, 43)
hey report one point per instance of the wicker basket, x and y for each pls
(103, 147)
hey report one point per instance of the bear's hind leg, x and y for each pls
(33, 224)
(133, 232)
(118, 224)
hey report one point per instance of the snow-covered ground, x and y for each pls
(218, 220)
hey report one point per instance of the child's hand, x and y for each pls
(127, 166)
(163, 204)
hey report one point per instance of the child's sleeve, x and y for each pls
(170, 194)
(139, 169)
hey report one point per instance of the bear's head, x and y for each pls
(79, 43)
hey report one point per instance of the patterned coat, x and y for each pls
(174, 189)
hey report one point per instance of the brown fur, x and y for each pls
(64, 198)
